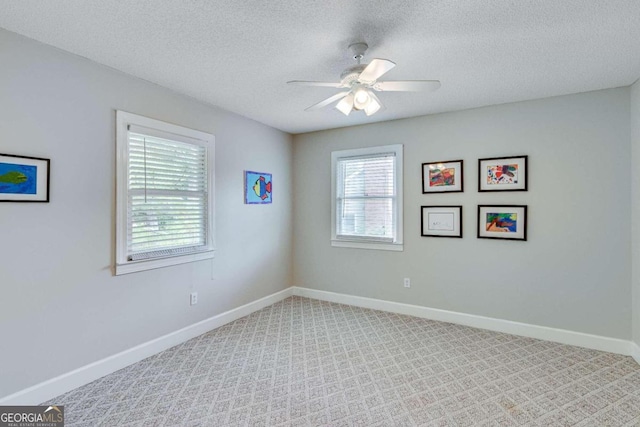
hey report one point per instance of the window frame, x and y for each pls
(172, 132)
(359, 243)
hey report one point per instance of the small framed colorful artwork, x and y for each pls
(442, 177)
(257, 188)
(507, 222)
(502, 174)
(441, 221)
(24, 179)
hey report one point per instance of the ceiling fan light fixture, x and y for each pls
(372, 107)
(361, 99)
(345, 106)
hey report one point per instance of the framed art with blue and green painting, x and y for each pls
(257, 188)
(507, 222)
(24, 179)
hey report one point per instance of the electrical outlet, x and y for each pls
(194, 298)
(407, 282)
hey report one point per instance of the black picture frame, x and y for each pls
(455, 232)
(42, 178)
(521, 231)
(522, 160)
(443, 189)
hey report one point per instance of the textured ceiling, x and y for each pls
(238, 54)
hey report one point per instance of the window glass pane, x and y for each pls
(366, 190)
(164, 222)
(366, 176)
(161, 164)
(371, 218)
(167, 195)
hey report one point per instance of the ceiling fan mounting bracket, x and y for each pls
(358, 50)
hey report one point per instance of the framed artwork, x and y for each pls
(507, 222)
(257, 188)
(24, 179)
(441, 221)
(442, 177)
(502, 174)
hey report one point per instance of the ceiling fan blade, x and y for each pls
(327, 101)
(345, 106)
(407, 86)
(322, 84)
(375, 70)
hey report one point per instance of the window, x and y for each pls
(165, 194)
(366, 203)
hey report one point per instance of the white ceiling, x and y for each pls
(238, 54)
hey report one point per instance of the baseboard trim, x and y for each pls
(66, 382)
(635, 352)
(563, 336)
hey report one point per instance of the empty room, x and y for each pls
(399, 213)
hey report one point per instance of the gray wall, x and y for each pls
(60, 306)
(574, 272)
(635, 207)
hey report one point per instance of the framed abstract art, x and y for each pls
(502, 174)
(442, 177)
(508, 222)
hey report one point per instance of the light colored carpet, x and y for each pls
(303, 362)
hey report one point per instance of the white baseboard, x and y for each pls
(56, 386)
(635, 352)
(66, 382)
(563, 336)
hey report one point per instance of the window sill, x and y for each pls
(142, 265)
(398, 247)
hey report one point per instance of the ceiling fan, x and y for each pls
(361, 82)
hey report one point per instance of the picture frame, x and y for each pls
(503, 173)
(505, 222)
(443, 177)
(258, 188)
(441, 221)
(24, 178)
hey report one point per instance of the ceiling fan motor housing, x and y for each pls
(351, 74)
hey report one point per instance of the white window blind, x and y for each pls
(366, 197)
(167, 212)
